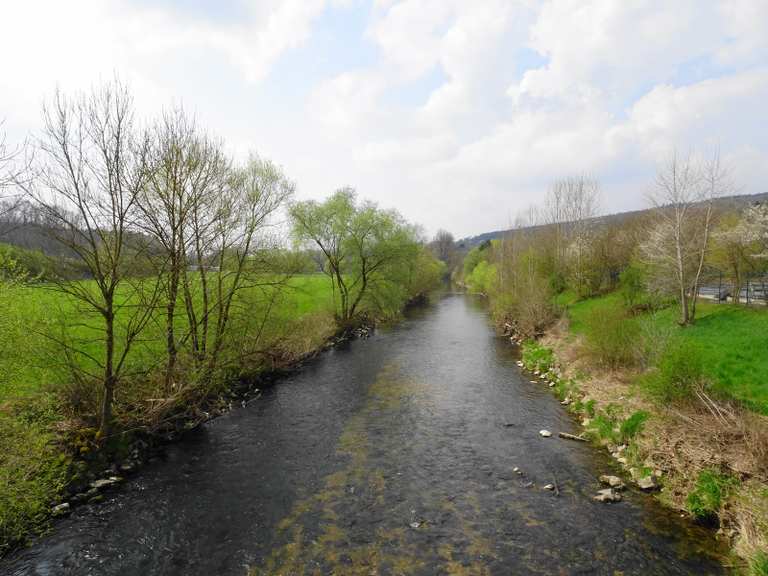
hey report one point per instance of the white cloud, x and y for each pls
(46, 43)
(501, 96)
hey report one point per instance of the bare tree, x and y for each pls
(187, 170)
(229, 234)
(11, 171)
(678, 243)
(443, 246)
(90, 168)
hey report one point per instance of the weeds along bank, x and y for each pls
(674, 386)
(160, 281)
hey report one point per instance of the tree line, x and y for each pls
(164, 233)
(663, 254)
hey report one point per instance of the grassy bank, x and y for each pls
(681, 409)
(45, 444)
(731, 340)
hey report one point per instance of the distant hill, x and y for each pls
(733, 202)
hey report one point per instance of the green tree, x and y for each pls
(366, 250)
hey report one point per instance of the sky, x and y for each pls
(459, 114)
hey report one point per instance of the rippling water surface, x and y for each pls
(392, 455)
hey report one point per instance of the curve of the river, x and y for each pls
(392, 455)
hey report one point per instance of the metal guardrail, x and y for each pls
(754, 291)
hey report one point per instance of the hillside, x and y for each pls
(728, 202)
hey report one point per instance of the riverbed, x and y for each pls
(390, 455)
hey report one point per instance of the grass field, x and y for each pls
(30, 360)
(733, 341)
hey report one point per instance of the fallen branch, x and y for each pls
(571, 437)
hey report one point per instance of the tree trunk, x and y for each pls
(105, 424)
(170, 333)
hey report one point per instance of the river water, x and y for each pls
(391, 455)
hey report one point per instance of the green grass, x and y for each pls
(732, 341)
(710, 492)
(29, 360)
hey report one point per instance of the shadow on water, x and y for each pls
(392, 455)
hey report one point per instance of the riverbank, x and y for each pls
(708, 459)
(394, 454)
(51, 461)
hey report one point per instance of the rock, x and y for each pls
(105, 482)
(549, 487)
(545, 433)
(647, 483)
(551, 384)
(621, 460)
(612, 481)
(607, 495)
(415, 525)
(61, 509)
(96, 499)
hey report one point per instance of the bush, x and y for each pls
(709, 494)
(612, 338)
(631, 286)
(482, 279)
(655, 338)
(680, 373)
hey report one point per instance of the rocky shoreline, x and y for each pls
(665, 458)
(98, 475)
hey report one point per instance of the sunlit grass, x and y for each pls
(732, 339)
(29, 315)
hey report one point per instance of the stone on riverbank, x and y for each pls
(607, 495)
(647, 483)
(545, 433)
(61, 509)
(613, 481)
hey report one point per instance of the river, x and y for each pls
(390, 455)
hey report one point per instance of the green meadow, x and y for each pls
(732, 341)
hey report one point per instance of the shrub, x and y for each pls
(679, 374)
(655, 338)
(612, 338)
(709, 493)
(631, 285)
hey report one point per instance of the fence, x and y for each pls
(714, 286)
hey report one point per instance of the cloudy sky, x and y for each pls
(457, 113)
